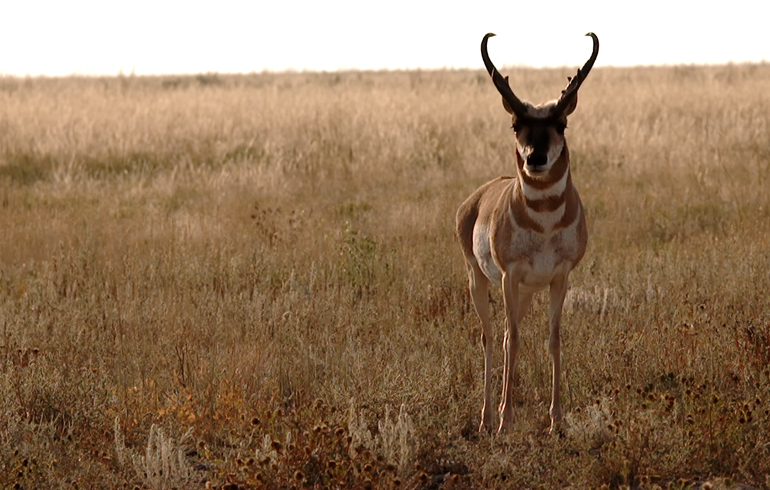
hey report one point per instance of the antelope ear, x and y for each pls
(571, 105)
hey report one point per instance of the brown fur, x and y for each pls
(529, 252)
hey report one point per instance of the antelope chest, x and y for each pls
(536, 258)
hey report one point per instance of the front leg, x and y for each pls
(479, 288)
(558, 291)
(511, 347)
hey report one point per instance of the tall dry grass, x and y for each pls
(253, 281)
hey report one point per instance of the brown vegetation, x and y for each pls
(252, 281)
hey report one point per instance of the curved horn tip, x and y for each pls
(489, 34)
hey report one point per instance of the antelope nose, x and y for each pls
(537, 160)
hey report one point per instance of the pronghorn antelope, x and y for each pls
(527, 232)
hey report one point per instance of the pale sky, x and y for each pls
(88, 37)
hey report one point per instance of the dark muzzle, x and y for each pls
(537, 159)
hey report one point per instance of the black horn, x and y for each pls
(574, 83)
(501, 83)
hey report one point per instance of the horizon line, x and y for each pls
(345, 70)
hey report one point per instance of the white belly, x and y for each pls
(483, 252)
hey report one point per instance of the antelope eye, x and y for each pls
(560, 127)
(516, 127)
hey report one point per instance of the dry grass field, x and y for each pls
(252, 282)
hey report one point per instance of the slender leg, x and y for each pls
(524, 301)
(511, 301)
(558, 291)
(479, 287)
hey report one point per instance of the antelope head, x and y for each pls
(539, 129)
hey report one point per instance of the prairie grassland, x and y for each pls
(253, 281)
